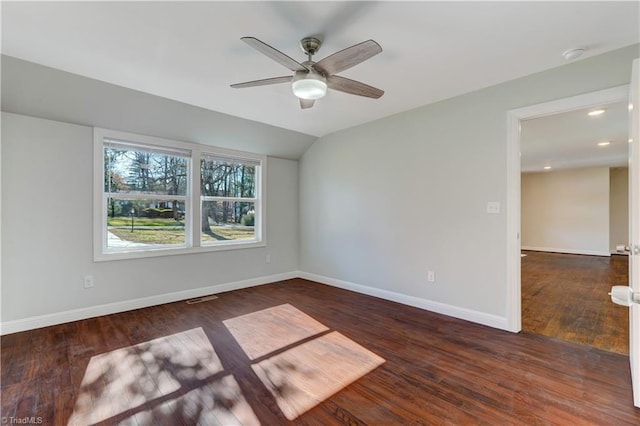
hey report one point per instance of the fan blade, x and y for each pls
(353, 87)
(348, 57)
(266, 81)
(306, 103)
(274, 54)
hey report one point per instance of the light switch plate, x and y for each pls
(493, 207)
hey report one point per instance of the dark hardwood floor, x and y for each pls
(437, 370)
(566, 296)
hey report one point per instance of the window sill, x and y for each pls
(161, 252)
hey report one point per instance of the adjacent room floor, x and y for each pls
(566, 296)
(298, 352)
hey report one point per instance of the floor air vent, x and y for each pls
(201, 299)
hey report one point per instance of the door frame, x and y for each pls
(514, 117)
(634, 228)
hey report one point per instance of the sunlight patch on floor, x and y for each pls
(301, 376)
(263, 332)
(172, 378)
(216, 403)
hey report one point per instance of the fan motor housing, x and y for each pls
(310, 45)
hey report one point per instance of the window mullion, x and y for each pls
(196, 203)
(139, 196)
(233, 199)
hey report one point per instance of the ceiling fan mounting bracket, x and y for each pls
(310, 45)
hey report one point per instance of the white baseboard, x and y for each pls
(429, 305)
(568, 251)
(39, 321)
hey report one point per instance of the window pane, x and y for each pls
(144, 224)
(144, 171)
(227, 220)
(221, 178)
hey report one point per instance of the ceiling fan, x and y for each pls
(310, 79)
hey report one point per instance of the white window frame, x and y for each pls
(193, 200)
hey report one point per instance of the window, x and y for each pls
(228, 199)
(152, 199)
(145, 196)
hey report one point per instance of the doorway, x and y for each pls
(515, 117)
(574, 225)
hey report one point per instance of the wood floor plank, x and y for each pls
(566, 296)
(437, 369)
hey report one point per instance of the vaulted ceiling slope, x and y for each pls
(39, 91)
(191, 51)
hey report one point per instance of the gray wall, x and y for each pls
(576, 211)
(566, 211)
(40, 91)
(619, 207)
(383, 203)
(47, 194)
(47, 229)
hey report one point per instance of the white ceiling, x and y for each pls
(191, 52)
(570, 139)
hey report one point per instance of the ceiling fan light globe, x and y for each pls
(309, 86)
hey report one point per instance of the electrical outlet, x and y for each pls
(431, 276)
(267, 259)
(88, 281)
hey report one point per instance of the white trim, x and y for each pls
(30, 323)
(514, 116)
(634, 227)
(568, 251)
(429, 305)
(194, 227)
(39, 321)
(141, 196)
(600, 97)
(1, 115)
(180, 250)
(218, 198)
(514, 296)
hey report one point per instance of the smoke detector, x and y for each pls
(572, 54)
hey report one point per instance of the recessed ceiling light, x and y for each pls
(547, 167)
(630, 106)
(604, 143)
(571, 54)
(595, 112)
(630, 140)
